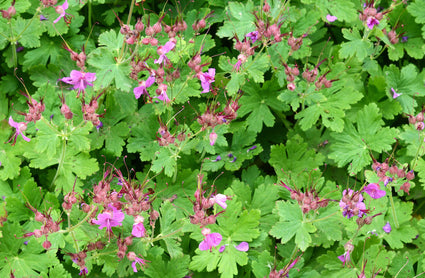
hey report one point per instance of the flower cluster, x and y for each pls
(417, 120)
(89, 110)
(308, 200)
(202, 205)
(370, 15)
(48, 226)
(352, 203)
(387, 174)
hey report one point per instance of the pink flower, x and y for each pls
(80, 80)
(374, 191)
(61, 11)
(395, 94)
(371, 21)
(220, 199)
(331, 18)
(20, 128)
(138, 227)
(243, 246)
(211, 240)
(213, 138)
(206, 79)
(136, 260)
(162, 50)
(139, 91)
(110, 218)
(163, 95)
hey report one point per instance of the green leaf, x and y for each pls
(112, 136)
(165, 160)
(291, 224)
(241, 20)
(105, 59)
(355, 143)
(405, 233)
(176, 267)
(47, 140)
(257, 67)
(258, 103)
(295, 157)
(170, 226)
(356, 45)
(27, 31)
(50, 52)
(331, 108)
(408, 83)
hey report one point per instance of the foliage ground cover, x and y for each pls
(212, 138)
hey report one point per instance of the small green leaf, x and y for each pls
(356, 45)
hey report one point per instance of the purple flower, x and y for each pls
(220, 199)
(221, 250)
(395, 94)
(331, 18)
(84, 271)
(251, 149)
(253, 36)
(387, 228)
(374, 191)
(404, 38)
(206, 79)
(99, 126)
(210, 240)
(20, 128)
(352, 204)
(215, 160)
(26, 242)
(162, 50)
(243, 246)
(139, 91)
(42, 17)
(61, 11)
(80, 80)
(111, 218)
(371, 21)
(138, 227)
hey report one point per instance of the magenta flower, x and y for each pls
(206, 79)
(371, 21)
(135, 260)
(110, 218)
(344, 258)
(374, 191)
(387, 228)
(138, 227)
(80, 80)
(162, 50)
(243, 246)
(220, 199)
(211, 240)
(139, 91)
(61, 11)
(395, 94)
(253, 36)
(20, 128)
(331, 18)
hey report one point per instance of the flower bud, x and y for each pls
(47, 244)
(139, 25)
(410, 175)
